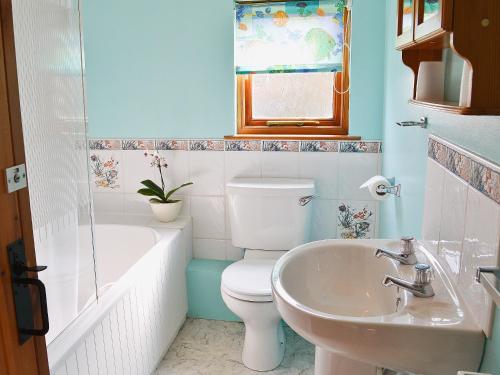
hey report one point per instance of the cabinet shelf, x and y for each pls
(453, 107)
(472, 31)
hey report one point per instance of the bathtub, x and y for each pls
(142, 301)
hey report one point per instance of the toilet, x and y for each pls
(268, 216)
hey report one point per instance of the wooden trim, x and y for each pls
(338, 125)
(346, 83)
(292, 137)
(15, 214)
(404, 39)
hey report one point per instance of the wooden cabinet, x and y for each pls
(472, 30)
(406, 20)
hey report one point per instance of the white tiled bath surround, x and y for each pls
(462, 219)
(338, 169)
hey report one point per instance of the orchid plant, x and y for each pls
(158, 193)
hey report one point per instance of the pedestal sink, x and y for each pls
(331, 293)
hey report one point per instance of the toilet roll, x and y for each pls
(373, 183)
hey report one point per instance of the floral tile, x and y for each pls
(319, 146)
(243, 145)
(105, 170)
(357, 146)
(290, 146)
(171, 144)
(206, 145)
(133, 144)
(356, 220)
(476, 173)
(105, 144)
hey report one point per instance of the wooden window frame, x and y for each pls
(338, 125)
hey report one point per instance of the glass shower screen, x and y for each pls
(49, 63)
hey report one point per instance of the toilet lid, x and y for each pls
(249, 280)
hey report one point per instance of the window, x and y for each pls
(292, 66)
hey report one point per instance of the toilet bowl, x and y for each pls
(271, 215)
(246, 290)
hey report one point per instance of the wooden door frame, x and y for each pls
(15, 213)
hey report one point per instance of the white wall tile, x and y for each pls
(177, 172)
(105, 202)
(206, 171)
(242, 164)
(431, 223)
(280, 164)
(353, 170)
(232, 252)
(480, 248)
(452, 223)
(136, 204)
(324, 219)
(209, 249)
(208, 217)
(136, 167)
(322, 167)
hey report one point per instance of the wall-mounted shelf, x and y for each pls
(471, 30)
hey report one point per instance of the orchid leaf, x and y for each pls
(169, 194)
(151, 185)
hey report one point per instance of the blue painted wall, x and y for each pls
(405, 153)
(155, 70)
(159, 69)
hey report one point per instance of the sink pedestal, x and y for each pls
(328, 363)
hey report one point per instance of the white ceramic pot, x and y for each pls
(166, 212)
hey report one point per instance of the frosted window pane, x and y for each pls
(292, 96)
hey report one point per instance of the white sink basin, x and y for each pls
(331, 293)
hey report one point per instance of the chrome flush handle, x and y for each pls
(305, 200)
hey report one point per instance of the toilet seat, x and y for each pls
(249, 280)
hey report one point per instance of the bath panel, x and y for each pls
(133, 323)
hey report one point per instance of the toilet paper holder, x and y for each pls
(393, 189)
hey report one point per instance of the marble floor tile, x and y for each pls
(208, 347)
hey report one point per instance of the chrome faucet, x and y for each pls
(405, 256)
(421, 286)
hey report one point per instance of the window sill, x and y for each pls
(289, 137)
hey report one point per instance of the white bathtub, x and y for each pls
(142, 302)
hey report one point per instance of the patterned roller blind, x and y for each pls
(291, 36)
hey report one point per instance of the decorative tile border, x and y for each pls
(104, 144)
(134, 144)
(206, 145)
(236, 145)
(477, 172)
(360, 146)
(171, 145)
(287, 146)
(319, 146)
